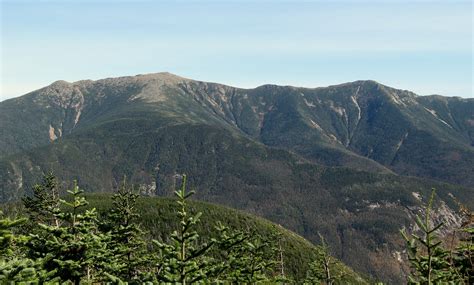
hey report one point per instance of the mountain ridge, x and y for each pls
(342, 160)
(170, 74)
(327, 118)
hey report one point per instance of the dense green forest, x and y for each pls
(126, 238)
(347, 162)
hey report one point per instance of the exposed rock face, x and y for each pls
(356, 120)
(269, 150)
(52, 135)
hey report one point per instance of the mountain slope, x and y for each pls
(159, 218)
(264, 150)
(358, 212)
(362, 125)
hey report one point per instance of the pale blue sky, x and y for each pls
(423, 46)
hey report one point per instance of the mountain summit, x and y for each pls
(362, 124)
(349, 161)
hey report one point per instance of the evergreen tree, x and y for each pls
(73, 247)
(462, 257)
(127, 245)
(15, 267)
(229, 244)
(68, 243)
(7, 238)
(429, 260)
(244, 257)
(45, 201)
(12, 268)
(184, 259)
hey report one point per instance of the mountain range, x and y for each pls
(353, 161)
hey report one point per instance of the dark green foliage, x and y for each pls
(81, 246)
(45, 202)
(14, 265)
(158, 216)
(271, 183)
(73, 247)
(7, 237)
(153, 126)
(430, 267)
(183, 259)
(362, 125)
(244, 257)
(462, 256)
(431, 263)
(127, 247)
(237, 258)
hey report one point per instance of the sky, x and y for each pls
(422, 46)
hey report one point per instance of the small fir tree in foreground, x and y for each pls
(428, 258)
(184, 260)
(68, 243)
(244, 257)
(232, 257)
(129, 256)
(15, 267)
(74, 248)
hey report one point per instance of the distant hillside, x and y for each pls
(330, 159)
(159, 218)
(363, 124)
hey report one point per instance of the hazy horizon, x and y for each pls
(421, 46)
(245, 87)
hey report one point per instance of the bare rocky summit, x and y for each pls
(342, 160)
